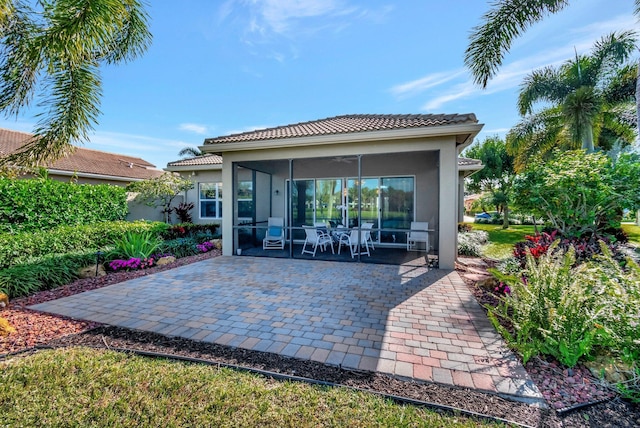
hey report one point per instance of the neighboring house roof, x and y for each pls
(86, 162)
(208, 159)
(347, 124)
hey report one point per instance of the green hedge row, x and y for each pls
(43, 274)
(20, 248)
(40, 204)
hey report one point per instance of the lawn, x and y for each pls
(502, 240)
(83, 387)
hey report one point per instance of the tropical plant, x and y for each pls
(161, 191)
(190, 152)
(183, 212)
(135, 245)
(580, 193)
(584, 103)
(567, 310)
(54, 49)
(496, 177)
(502, 24)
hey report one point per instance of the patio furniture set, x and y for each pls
(359, 240)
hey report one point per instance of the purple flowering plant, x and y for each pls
(205, 246)
(133, 263)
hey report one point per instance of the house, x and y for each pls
(386, 169)
(87, 165)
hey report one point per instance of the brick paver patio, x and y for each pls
(402, 320)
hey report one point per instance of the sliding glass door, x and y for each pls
(387, 202)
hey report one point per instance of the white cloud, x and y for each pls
(194, 127)
(414, 87)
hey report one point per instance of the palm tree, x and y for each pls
(506, 21)
(191, 152)
(53, 49)
(588, 102)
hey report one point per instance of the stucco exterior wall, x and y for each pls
(433, 161)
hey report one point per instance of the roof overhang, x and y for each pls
(185, 168)
(90, 175)
(469, 170)
(465, 133)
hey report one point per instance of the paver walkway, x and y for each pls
(402, 320)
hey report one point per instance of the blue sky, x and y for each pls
(221, 67)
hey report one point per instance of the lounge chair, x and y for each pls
(274, 238)
(366, 229)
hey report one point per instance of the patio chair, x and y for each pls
(366, 229)
(315, 237)
(355, 244)
(418, 234)
(274, 238)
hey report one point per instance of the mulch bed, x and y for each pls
(35, 329)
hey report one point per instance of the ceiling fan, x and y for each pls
(343, 159)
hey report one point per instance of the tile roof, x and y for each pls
(462, 161)
(85, 160)
(209, 159)
(348, 124)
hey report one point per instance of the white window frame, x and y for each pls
(217, 200)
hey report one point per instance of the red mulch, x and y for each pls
(36, 328)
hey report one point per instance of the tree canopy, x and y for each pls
(51, 52)
(588, 101)
(498, 174)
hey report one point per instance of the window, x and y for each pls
(210, 195)
(245, 199)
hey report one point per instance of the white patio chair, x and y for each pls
(274, 238)
(351, 239)
(418, 234)
(366, 229)
(315, 237)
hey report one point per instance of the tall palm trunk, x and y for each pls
(587, 139)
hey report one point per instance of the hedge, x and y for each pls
(21, 247)
(41, 204)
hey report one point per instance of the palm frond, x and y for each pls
(20, 61)
(541, 85)
(506, 20)
(612, 51)
(536, 135)
(70, 113)
(190, 151)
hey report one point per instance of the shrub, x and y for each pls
(180, 247)
(40, 204)
(43, 273)
(20, 247)
(138, 245)
(566, 310)
(183, 212)
(585, 247)
(580, 192)
(471, 243)
(184, 230)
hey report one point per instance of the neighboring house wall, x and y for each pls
(193, 195)
(141, 211)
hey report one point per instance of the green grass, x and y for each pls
(501, 240)
(633, 232)
(83, 387)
